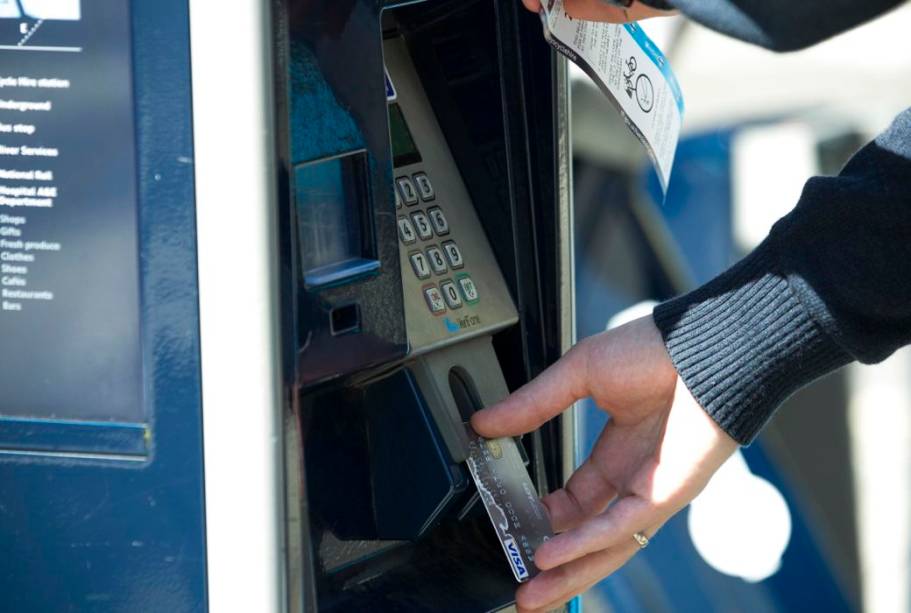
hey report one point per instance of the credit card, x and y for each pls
(512, 503)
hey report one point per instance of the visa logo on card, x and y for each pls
(515, 559)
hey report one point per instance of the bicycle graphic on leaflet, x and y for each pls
(639, 86)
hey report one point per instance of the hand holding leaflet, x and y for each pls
(631, 71)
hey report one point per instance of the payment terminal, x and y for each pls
(427, 241)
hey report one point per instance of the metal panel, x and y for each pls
(567, 265)
(239, 313)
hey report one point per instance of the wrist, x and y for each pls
(744, 342)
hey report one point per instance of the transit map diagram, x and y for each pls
(21, 20)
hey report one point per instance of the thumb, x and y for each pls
(548, 395)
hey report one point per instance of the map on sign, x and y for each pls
(39, 25)
(65, 10)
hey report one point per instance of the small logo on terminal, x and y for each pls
(451, 326)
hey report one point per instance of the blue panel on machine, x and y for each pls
(101, 482)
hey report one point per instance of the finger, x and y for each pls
(595, 10)
(558, 606)
(554, 587)
(591, 487)
(548, 395)
(532, 5)
(614, 527)
(586, 494)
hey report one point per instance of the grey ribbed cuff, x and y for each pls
(743, 343)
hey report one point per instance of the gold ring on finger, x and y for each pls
(641, 539)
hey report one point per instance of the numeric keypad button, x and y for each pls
(425, 187)
(420, 265)
(440, 224)
(451, 294)
(407, 190)
(436, 260)
(453, 254)
(469, 289)
(422, 225)
(398, 198)
(434, 300)
(406, 231)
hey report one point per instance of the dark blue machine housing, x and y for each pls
(106, 514)
(104, 510)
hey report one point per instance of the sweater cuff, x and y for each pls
(744, 342)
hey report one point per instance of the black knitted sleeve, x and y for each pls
(779, 24)
(831, 284)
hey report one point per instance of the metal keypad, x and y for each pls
(455, 290)
(426, 225)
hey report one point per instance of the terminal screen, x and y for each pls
(404, 149)
(332, 199)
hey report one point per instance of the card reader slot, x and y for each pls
(481, 384)
(468, 401)
(464, 393)
(458, 381)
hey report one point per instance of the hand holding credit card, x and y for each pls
(656, 453)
